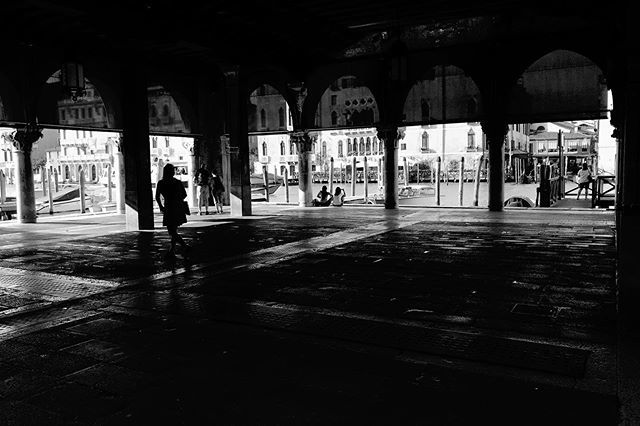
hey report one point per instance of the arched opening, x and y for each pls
(347, 102)
(560, 109)
(269, 129)
(164, 112)
(440, 111)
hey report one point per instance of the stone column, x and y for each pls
(236, 120)
(495, 130)
(23, 140)
(118, 162)
(136, 150)
(226, 168)
(390, 137)
(304, 146)
(3, 187)
(191, 185)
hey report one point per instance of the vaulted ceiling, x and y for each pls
(238, 31)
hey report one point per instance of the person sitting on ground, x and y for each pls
(338, 198)
(324, 198)
(583, 179)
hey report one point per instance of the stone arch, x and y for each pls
(10, 102)
(170, 105)
(560, 85)
(321, 80)
(427, 103)
(54, 107)
(263, 107)
(354, 105)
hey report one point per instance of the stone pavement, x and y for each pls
(353, 315)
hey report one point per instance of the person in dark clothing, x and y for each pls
(202, 180)
(172, 192)
(217, 188)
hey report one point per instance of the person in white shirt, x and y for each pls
(338, 197)
(583, 179)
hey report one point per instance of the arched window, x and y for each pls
(334, 118)
(425, 110)
(282, 148)
(471, 139)
(165, 110)
(339, 148)
(263, 118)
(375, 145)
(368, 150)
(472, 107)
(283, 169)
(154, 111)
(349, 147)
(324, 148)
(281, 117)
(292, 148)
(361, 148)
(355, 146)
(264, 149)
(425, 141)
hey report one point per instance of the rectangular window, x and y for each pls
(62, 115)
(334, 99)
(76, 114)
(403, 146)
(64, 134)
(89, 112)
(166, 139)
(82, 112)
(154, 142)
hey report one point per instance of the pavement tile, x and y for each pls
(12, 348)
(23, 382)
(51, 340)
(112, 378)
(99, 350)
(56, 364)
(96, 327)
(77, 403)
(14, 413)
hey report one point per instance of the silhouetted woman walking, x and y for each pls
(172, 192)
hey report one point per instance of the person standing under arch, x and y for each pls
(201, 179)
(583, 179)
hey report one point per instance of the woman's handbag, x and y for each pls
(185, 205)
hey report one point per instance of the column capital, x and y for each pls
(23, 138)
(302, 139)
(494, 129)
(116, 143)
(300, 95)
(390, 133)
